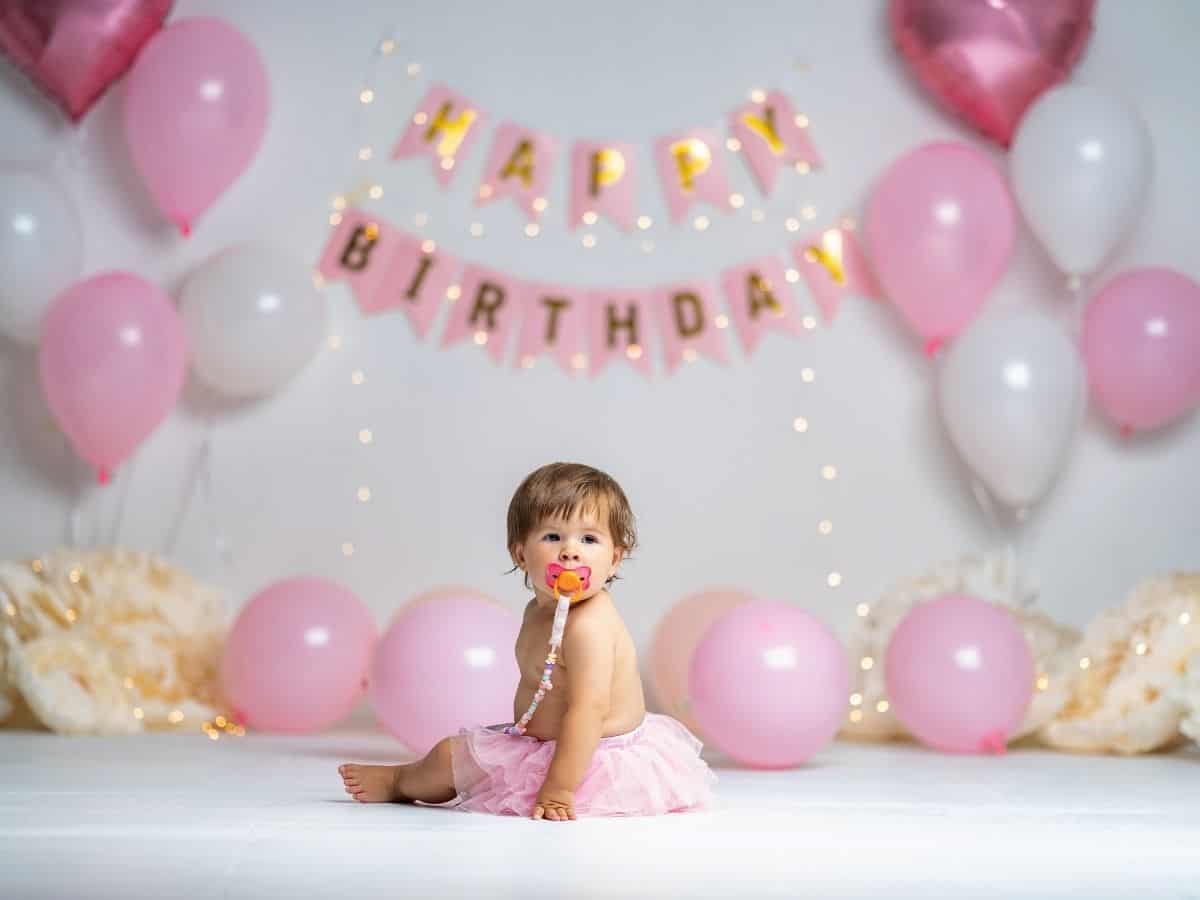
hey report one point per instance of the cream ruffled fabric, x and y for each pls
(107, 642)
(1138, 688)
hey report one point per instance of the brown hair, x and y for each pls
(559, 489)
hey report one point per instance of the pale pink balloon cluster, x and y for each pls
(113, 351)
(304, 651)
(768, 684)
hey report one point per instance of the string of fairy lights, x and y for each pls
(370, 94)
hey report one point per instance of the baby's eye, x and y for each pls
(552, 536)
(590, 539)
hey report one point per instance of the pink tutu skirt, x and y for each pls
(654, 769)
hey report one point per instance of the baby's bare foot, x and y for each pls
(372, 784)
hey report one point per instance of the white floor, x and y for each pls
(169, 816)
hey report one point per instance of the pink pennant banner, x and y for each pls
(771, 133)
(691, 166)
(833, 265)
(444, 128)
(418, 281)
(687, 323)
(359, 252)
(488, 306)
(618, 327)
(519, 166)
(554, 324)
(760, 300)
(603, 182)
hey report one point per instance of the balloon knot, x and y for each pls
(933, 346)
(994, 743)
(184, 228)
(1126, 431)
(103, 476)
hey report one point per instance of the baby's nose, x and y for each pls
(569, 552)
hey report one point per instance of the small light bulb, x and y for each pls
(800, 424)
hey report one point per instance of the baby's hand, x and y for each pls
(554, 804)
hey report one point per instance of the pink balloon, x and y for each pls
(1141, 345)
(195, 114)
(75, 51)
(939, 228)
(113, 359)
(988, 61)
(445, 663)
(675, 640)
(959, 674)
(297, 656)
(769, 684)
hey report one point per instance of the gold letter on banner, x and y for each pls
(423, 267)
(556, 305)
(520, 164)
(830, 256)
(482, 307)
(358, 248)
(693, 158)
(608, 167)
(453, 130)
(761, 297)
(690, 300)
(765, 128)
(629, 323)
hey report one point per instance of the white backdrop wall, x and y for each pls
(725, 490)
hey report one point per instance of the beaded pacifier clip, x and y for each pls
(568, 586)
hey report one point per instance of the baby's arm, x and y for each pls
(588, 651)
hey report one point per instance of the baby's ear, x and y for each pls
(517, 553)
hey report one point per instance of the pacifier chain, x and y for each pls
(568, 586)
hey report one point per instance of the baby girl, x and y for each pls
(582, 743)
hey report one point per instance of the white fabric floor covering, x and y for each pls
(169, 816)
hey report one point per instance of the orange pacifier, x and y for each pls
(572, 582)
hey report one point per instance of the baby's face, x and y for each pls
(572, 543)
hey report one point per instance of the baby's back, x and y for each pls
(626, 703)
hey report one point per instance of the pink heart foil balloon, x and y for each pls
(75, 49)
(987, 60)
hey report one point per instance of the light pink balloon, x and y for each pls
(113, 359)
(195, 113)
(769, 684)
(1141, 345)
(445, 663)
(675, 640)
(939, 230)
(959, 674)
(297, 656)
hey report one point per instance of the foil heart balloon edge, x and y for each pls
(986, 62)
(75, 51)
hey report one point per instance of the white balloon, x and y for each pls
(1012, 393)
(253, 319)
(41, 250)
(1081, 164)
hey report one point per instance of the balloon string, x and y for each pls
(1075, 290)
(83, 491)
(200, 481)
(126, 479)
